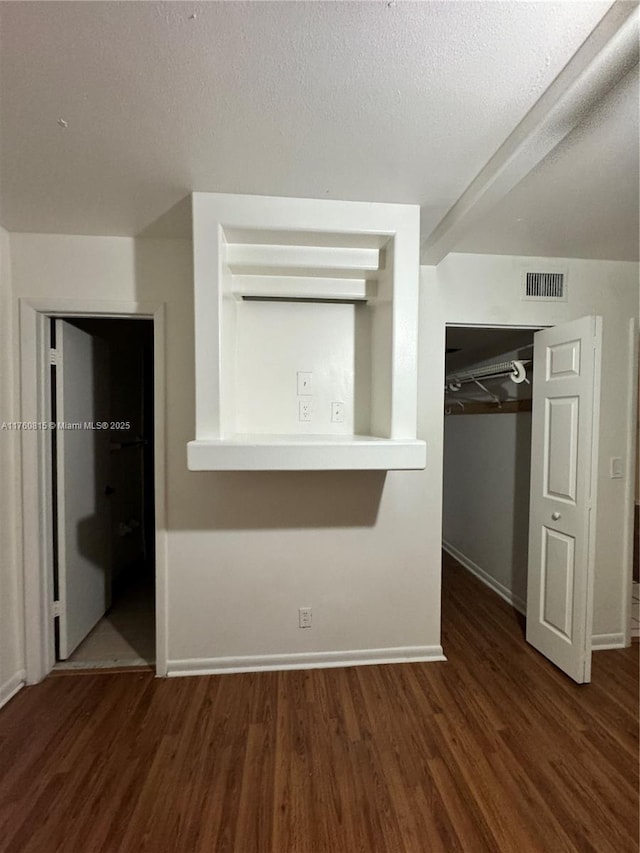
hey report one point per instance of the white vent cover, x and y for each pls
(544, 285)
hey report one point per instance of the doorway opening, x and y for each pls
(487, 456)
(102, 479)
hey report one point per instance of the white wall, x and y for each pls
(246, 550)
(485, 290)
(277, 339)
(11, 609)
(486, 497)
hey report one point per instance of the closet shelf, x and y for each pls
(257, 452)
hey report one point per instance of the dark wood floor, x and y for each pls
(494, 750)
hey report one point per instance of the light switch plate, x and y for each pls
(616, 468)
(305, 383)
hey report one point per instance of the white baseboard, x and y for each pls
(9, 689)
(501, 590)
(599, 642)
(304, 660)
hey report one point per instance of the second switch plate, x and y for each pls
(305, 383)
(337, 413)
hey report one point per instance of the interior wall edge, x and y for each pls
(11, 562)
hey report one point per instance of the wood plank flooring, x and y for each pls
(494, 750)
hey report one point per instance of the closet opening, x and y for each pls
(102, 479)
(487, 457)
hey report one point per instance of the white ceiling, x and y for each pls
(381, 101)
(582, 200)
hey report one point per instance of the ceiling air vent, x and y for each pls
(546, 286)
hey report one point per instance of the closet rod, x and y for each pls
(515, 369)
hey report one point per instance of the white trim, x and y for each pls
(500, 589)
(592, 515)
(516, 327)
(9, 689)
(36, 497)
(36, 485)
(600, 642)
(160, 492)
(629, 522)
(304, 660)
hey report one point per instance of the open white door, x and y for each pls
(564, 452)
(82, 469)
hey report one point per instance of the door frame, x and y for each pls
(514, 601)
(37, 495)
(631, 473)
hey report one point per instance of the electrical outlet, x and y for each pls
(304, 410)
(337, 413)
(305, 383)
(304, 617)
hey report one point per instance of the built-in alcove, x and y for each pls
(306, 334)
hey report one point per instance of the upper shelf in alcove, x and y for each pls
(262, 258)
(303, 265)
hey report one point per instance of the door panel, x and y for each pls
(82, 466)
(566, 405)
(563, 360)
(561, 440)
(558, 561)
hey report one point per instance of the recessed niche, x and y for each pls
(324, 288)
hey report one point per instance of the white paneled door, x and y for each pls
(564, 451)
(82, 485)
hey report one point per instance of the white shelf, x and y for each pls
(255, 452)
(241, 256)
(303, 287)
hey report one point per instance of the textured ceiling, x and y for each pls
(582, 200)
(381, 101)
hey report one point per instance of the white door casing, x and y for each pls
(37, 493)
(82, 466)
(564, 452)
